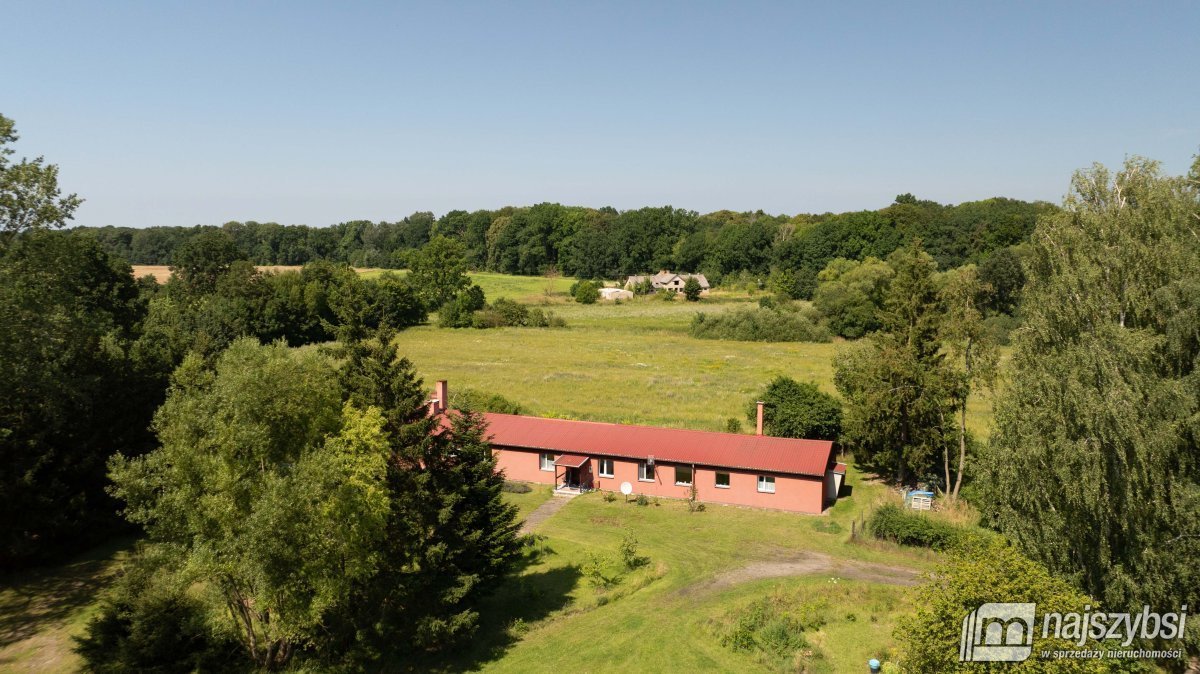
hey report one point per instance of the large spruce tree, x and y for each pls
(1093, 468)
(450, 534)
(898, 390)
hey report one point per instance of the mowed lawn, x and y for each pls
(42, 609)
(702, 569)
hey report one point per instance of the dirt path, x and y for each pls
(808, 563)
(544, 511)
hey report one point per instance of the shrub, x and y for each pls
(458, 313)
(895, 524)
(586, 292)
(148, 623)
(516, 487)
(479, 401)
(513, 314)
(487, 318)
(642, 500)
(629, 552)
(544, 319)
(1000, 327)
(609, 497)
(798, 410)
(827, 526)
(774, 627)
(593, 569)
(759, 325)
(692, 289)
(993, 569)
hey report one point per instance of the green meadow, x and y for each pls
(632, 362)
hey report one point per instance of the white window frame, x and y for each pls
(600, 468)
(645, 472)
(692, 473)
(766, 484)
(546, 461)
(728, 479)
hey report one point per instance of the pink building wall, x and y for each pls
(792, 492)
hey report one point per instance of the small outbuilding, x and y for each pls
(615, 294)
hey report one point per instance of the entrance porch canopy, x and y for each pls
(571, 460)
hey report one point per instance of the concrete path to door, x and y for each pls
(544, 511)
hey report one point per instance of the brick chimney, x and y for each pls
(759, 422)
(442, 395)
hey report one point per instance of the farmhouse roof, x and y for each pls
(670, 445)
(664, 278)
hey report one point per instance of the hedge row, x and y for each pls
(895, 524)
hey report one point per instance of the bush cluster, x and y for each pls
(893, 523)
(586, 292)
(775, 627)
(759, 325)
(469, 309)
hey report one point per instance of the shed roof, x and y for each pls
(669, 445)
(571, 460)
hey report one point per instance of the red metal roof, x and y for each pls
(571, 460)
(669, 445)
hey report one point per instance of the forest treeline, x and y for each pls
(607, 243)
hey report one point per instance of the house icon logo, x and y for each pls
(998, 632)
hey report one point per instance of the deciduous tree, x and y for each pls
(439, 271)
(29, 194)
(972, 355)
(1094, 468)
(795, 409)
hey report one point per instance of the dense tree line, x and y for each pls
(606, 243)
(78, 330)
(86, 350)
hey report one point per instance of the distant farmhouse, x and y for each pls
(665, 280)
(729, 468)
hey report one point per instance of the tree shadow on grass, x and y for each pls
(38, 600)
(520, 601)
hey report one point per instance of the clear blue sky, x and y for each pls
(303, 112)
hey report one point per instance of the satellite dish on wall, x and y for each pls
(626, 488)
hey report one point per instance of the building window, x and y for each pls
(646, 472)
(766, 484)
(606, 468)
(683, 476)
(722, 480)
(547, 461)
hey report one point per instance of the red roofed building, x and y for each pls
(732, 468)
